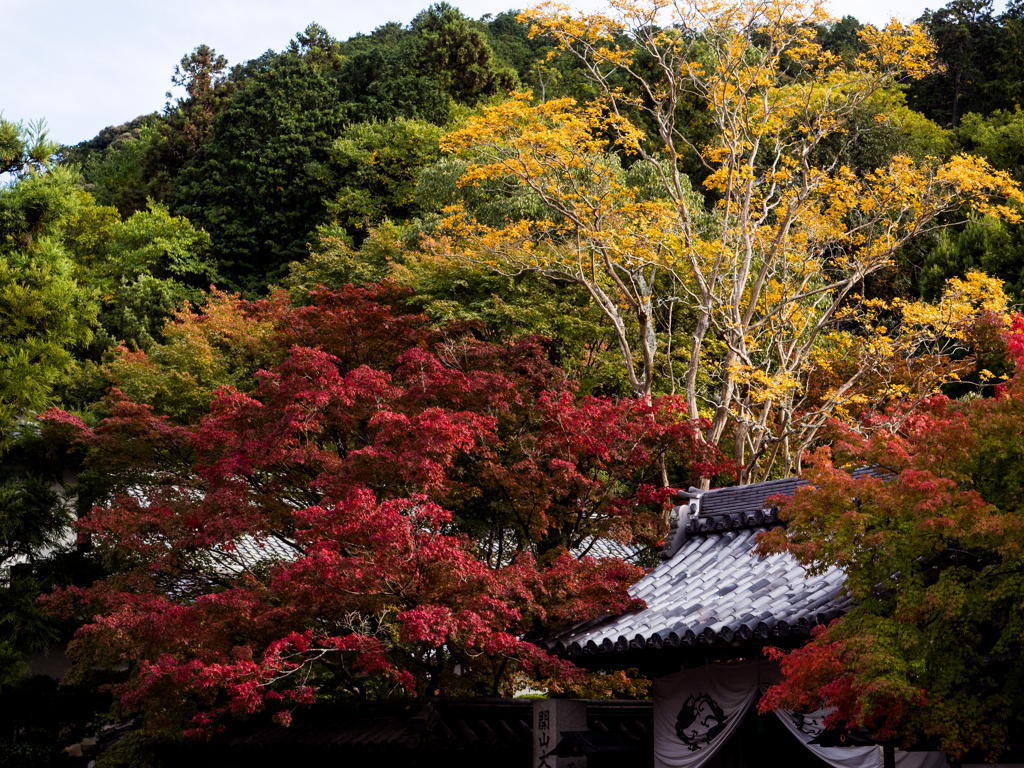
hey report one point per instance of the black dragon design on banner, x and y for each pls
(700, 720)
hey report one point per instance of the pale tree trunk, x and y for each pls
(642, 385)
(693, 368)
(648, 346)
(739, 446)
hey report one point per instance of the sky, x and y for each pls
(85, 65)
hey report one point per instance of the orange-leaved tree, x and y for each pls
(770, 258)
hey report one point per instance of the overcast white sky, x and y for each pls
(86, 65)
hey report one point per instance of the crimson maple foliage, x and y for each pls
(932, 542)
(391, 509)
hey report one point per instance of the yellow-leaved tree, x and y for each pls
(769, 258)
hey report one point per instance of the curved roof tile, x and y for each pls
(714, 589)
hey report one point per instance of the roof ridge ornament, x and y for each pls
(680, 522)
(704, 511)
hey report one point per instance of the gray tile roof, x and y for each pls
(252, 553)
(594, 547)
(714, 589)
(746, 498)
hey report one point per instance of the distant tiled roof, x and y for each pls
(252, 553)
(594, 547)
(248, 553)
(714, 589)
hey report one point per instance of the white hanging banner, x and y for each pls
(808, 726)
(697, 710)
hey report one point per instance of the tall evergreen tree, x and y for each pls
(967, 36)
(43, 310)
(259, 185)
(423, 70)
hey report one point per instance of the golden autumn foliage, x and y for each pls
(769, 258)
(873, 363)
(554, 153)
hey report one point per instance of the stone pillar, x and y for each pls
(551, 718)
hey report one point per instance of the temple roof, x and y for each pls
(714, 589)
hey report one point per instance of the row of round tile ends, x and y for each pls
(763, 630)
(735, 520)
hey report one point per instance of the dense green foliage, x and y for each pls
(259, 185)
(377, 167)
(44, 311)
(980, 50)
(442, 59)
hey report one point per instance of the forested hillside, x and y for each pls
(465, 297)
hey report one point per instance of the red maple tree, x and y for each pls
(391, 509)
